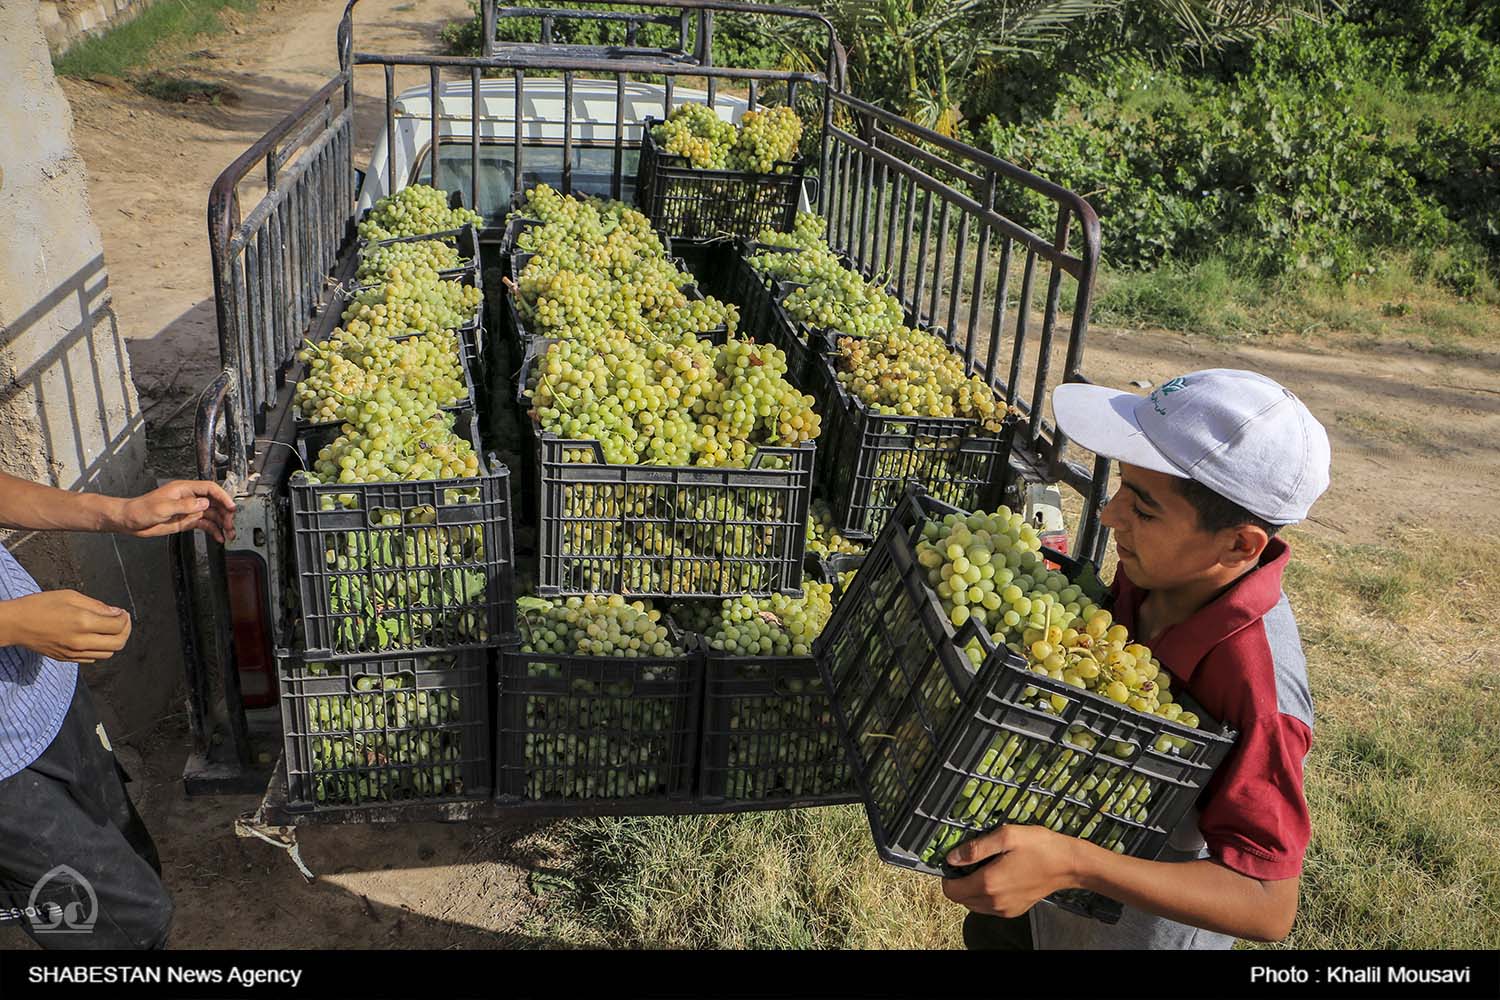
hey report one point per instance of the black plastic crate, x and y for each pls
(669, 531)
(470, 401)
(768, 734)
(687, 202)
(921, 723)
(763, 320)
(583, 731)
(831, 569)
(386, 729)
(470, 332)
(465, 239)
(869, 458)
(413, 566)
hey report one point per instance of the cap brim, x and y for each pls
(1102, 420)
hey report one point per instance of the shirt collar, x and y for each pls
(1183, 646)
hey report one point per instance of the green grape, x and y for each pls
(434, 255)
(769, 626)
(418, 374)
(823, 537)
(764, 138)
(413, 211)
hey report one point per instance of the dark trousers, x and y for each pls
(74, 854)
(983, 932)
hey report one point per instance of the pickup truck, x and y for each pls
(917, 208)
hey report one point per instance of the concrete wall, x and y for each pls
(68, 410)
(65, 22)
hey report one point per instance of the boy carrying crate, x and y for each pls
(1212, 464)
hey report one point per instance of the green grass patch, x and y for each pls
(1403, 302)
(1210, 297)
(803, 878)
(183, 90)
(131, 46)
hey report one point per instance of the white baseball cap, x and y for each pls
(1242, 435)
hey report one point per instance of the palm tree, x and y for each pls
(940, 43)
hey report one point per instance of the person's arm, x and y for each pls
(1031, 862)
(177, 506)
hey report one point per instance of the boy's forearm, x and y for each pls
(42, 508)
(1201, 893)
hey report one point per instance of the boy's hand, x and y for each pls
(180, 506)
(1030, 863)
(64, 625)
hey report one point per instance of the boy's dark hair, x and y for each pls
(1215, 512)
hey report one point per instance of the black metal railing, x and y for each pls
(271, 266)
(917, 210)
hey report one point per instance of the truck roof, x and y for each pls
(593, 106)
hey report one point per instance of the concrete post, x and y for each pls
(68, 410)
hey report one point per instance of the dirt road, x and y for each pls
(1401, 419)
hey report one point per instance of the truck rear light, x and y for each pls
(1057, 541)
(250, 618)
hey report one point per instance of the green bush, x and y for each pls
(1278, 161)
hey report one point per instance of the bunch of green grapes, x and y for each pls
(671, 403)
(823, 538)
(912, 373)
(595, 626)
(418, 375)
(387, 445)
(771, 626)
(430, 255)
(834, 297)
(598, 269)
(414, 299)
(766, 137)
(695, 132)
(987, 567)
(414, 211)
(808, 233)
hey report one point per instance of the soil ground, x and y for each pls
(1401, 419)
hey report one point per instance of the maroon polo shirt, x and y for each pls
(1240, 657)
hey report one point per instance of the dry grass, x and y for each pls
(806, 878)
(1401, 648)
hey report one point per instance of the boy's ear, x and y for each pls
(1243, 545)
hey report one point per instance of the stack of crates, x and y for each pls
(587, 511)
(406, 587)
(694, 729)
(943, 750)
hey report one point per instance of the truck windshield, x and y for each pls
(593, 167)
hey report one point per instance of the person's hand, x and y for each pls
(65, 625)
(1029, 864)
(180, 506)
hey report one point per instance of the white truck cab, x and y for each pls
(596, 120)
